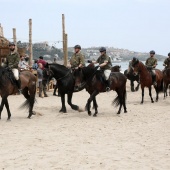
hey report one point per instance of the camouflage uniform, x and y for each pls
(77, 59)
(150, 62)
(107, 68)
(12, 62)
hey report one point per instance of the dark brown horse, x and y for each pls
(166, 80)
(146, 78)
(116, 68)
(8, 87)
(93, 81)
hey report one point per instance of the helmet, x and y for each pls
(11, 43)
(102, 49)
(152, 52)
(77, 46)
(169, 54)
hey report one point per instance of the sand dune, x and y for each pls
(137, 140)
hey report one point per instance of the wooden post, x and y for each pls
(30, 42)
(64, 50)
(15, 38)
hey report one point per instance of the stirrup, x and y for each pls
(107, 89)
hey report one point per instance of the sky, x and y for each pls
(137, 25)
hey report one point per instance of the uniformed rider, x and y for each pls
(151, 64)
(12, 62)
(167, 62)
(105, 65)
(77, 59)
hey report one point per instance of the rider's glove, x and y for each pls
(89, 61)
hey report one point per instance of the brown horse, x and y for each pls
(146, 78)
(8, 87)
(93, 82)
(166, 80)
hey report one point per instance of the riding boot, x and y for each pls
(107, 85)
(154, 79)
(18, 83)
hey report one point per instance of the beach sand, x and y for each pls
(137, 140)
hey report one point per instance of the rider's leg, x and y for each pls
(40, 88)
(18, 81)
(107, 74)
(154, 77)
(44, 85)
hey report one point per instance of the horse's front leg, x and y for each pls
(69, 100)
(150, 94)
(142, 95)
(137, 87)
(2, 105)
(63, 108)
(132, 85)
(92, 96)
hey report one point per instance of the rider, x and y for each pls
(105, 65)
(77, 59)
(12, 62)
(167, 62)
(151, 63)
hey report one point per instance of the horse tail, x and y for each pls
(116, 101)
(161, 88)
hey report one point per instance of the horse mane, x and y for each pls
(59, 65)
(5, 76)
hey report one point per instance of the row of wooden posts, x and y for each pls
(65, 41)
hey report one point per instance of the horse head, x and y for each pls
(135, 66)
(47, 73)
(78, 76)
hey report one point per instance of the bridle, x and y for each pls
(52, 73)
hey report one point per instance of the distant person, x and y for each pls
(151, 63)
(42, 88)
(105, 65)
(77, 59)
(42, 61)
(167, 62)
(23, 65)
(35, 65)
(55, 82)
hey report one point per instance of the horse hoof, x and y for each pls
(141, 103)
(118, 113)
(95, 115)
(29, 117)
(89, 113)
(63, 111)
(8, 120)
(33, 113)
(125, 111)
(152, 102)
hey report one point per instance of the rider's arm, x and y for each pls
(155, 64)
(82, 63)
(103, 64)
(16, 62)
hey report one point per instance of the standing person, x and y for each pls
(167, 62)
(12, 62)
(105, 65)
(42, 61)
(55, 82)
(40, 81)
(35, 65)
(151, 63)
(77, 59)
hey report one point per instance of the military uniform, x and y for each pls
(12, 62)
(167, 63)
(151, 61)
(77, 59)
(107, 68)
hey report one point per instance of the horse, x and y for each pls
(116, 68)
(8, 87)
(65, 82)
(146, 78)
(91, 78)
(166, 81)
(130, 76)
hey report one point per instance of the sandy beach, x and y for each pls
(137, 140)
